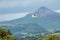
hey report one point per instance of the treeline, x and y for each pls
(6, 34)
(50, 37)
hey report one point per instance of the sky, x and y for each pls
(13, 9)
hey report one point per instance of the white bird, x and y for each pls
(34, 15)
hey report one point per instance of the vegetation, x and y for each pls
(6, 35)
(50, 37)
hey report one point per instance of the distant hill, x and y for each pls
(43, 16)
(26, 28)
(38, 21)
(56, 31)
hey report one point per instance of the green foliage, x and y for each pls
(50, 37)
(53, 37)
(6, 34)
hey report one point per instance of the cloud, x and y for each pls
(7, 4)
(13, 3)
(8, 17)
(22, 3)
(57, 11)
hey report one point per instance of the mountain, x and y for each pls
(26, 28)
(43, 16)
(29, 19)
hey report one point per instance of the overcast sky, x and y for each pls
(12, 9)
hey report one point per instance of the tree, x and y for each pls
(50, 37)
(6, 34)
(53, 37)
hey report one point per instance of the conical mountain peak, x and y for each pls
(43, 10)
(43, 7)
